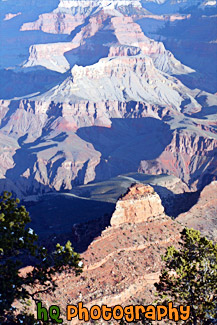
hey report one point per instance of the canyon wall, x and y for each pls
(38, 155)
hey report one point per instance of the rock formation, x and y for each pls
(140, 204)
(120, 29)
(121, 266)
(191, 150)
(114, 101)
(122, 79)
(11, 16)
(56, 23)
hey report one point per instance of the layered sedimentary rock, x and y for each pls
(49, 146)
(186, 155)
(121, 265)
(130, 33)
(120, 29)
(119, 79)
(140, 204)
(56, 23)
(70, 14)
(111, 105)
(50, 56)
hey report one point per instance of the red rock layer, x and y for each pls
(120, 266)
(138, 205)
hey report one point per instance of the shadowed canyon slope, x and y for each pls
(202, 216)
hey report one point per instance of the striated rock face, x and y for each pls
(130, 33)
(49, 146)
(55, 23)
(185, 156)
(123, 263)
(119, 79)
(123, 50)
(140, 204)
(50, 56)
(121, 30)
(111, 105)
(202, 216)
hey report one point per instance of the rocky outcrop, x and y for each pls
(55, 23)
(117, 110)
(140, 204)
(122, 79)
(202, 216)
(50, 56)
(121, 29)
(10, 16)
(123, 263)
(123, 50)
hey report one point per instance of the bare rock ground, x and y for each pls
(121, 265)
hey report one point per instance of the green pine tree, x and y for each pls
(190, 277)
(18, 242)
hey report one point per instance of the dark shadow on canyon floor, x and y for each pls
(28, 82)
(61, 217)
(126, 143)
(58, 217)
(174, 204)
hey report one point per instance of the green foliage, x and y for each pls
(190, 277)
(18, 243)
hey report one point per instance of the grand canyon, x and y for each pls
(108, 133)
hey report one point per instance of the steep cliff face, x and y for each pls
(101, 28)
(114, 106)
(188, 156)
(50, 56)
(130, 33)
(140, 204)
(53, 56)
(122, 79)
(70, 14)
(55, 23)
(49, 146)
